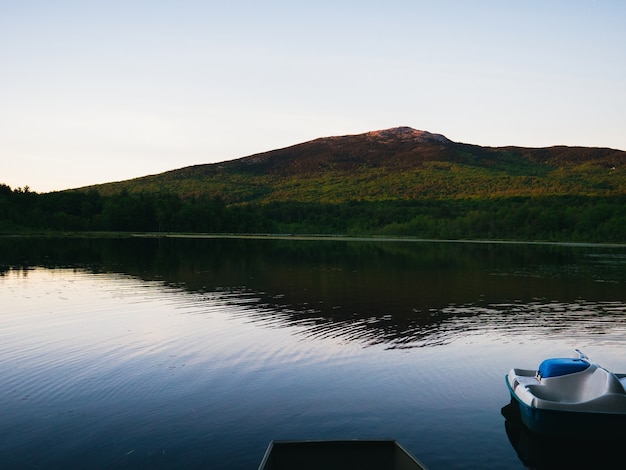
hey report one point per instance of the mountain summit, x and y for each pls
(388, 147)
(408, 134)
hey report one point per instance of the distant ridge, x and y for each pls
(400, 163)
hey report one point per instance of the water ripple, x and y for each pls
(584, 319)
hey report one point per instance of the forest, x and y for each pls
(565, 218)
(398, 182)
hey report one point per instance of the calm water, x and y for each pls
(195, 353)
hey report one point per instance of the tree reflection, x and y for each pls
(400, 294)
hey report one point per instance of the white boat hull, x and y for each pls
(570, 397)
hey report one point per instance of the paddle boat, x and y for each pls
(364, 454)
(570, 396)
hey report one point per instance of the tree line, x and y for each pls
(555, 218)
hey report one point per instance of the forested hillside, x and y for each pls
(397, 182)
(395, 164)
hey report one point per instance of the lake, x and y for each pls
(196, 353)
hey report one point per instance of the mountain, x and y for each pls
(392, 164)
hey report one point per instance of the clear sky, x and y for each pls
(100, 91)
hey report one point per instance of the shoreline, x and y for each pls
(304, 237)
(350, 238)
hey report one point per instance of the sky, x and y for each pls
(100, 91)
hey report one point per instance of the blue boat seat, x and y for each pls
(558, 367)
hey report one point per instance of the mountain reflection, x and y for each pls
(394, 293)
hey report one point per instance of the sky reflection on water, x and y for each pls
(170, 353)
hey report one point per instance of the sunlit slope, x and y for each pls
(394, 164)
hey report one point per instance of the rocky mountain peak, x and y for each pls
(408, 134)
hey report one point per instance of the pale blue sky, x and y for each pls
(100, 91)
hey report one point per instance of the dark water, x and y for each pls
(195, 353)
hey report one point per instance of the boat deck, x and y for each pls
(339, 455)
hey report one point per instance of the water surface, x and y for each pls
(173, 353)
